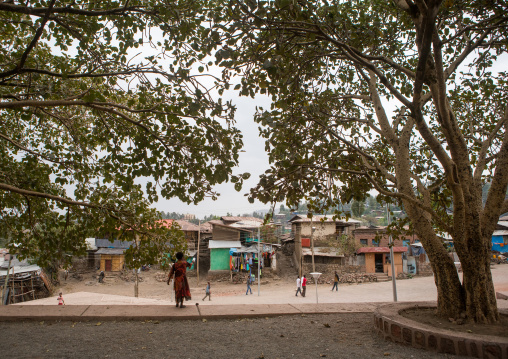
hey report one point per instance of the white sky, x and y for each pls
(254, 160)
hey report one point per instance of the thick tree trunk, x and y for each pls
(480, 301)
(450, 293)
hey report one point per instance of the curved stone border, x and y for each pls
(392, 326)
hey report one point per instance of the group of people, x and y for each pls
(182, 291)
(301, 284)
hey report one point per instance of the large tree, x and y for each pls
(103, 105)
(399, 97)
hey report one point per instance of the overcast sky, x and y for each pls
(254, 160)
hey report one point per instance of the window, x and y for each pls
(375, 242)
(364, 242)
(405, 243)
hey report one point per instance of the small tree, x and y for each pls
(154, 247)
(357, 208)
(343, 245)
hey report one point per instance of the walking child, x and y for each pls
(207, 292)
(336, 282)
(249, 281)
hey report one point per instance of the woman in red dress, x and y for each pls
(179, 269)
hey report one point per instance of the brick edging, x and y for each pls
(390, 325)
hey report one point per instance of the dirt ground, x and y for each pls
(301, 336)
(153, 285)
(343, 335)
(427, 316)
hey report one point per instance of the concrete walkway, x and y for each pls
(83, 306)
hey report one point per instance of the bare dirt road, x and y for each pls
(308, 336)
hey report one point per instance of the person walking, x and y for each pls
(207, 292)
(298, 286)
(249, 282)
(336, 282)
(181, 285)
(304, 285)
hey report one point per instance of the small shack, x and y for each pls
(219, 254)
(377, 259)
(111, 254)
(25, 282)
(111, 259)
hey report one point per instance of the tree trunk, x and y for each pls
(480, 301)
(450, 293)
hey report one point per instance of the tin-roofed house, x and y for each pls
(375, 252)
(111, 254)
(234, 246)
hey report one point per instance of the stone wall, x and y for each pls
(347, 273)
(390, 325)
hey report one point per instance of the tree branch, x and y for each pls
(7, 7)
(482, 155)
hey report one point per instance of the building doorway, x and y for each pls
(378, 262)
(108, 265)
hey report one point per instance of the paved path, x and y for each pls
(276, 301)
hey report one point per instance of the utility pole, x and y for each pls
(199, 240)
(259, 262)
(392, 259)
(4, 289)
(312, 229)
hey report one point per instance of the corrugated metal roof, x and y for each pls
(501, 232)
(214, 244)
(215, 221)
(246, 224)
(112, 251)
(238, 219)
(21, 269)
(15, 262)
(322, 252)
(206, 227)
(105, 243)
(299, 218)
(381, 250)
(187, 226)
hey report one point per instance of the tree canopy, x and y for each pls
(104, 107)
(401, 97)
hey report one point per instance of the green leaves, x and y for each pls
(105, 110)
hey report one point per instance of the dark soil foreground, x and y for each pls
(301, 336)
(428, 316)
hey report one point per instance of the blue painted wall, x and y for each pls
(498, 244)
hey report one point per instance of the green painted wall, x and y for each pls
(219, 259)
